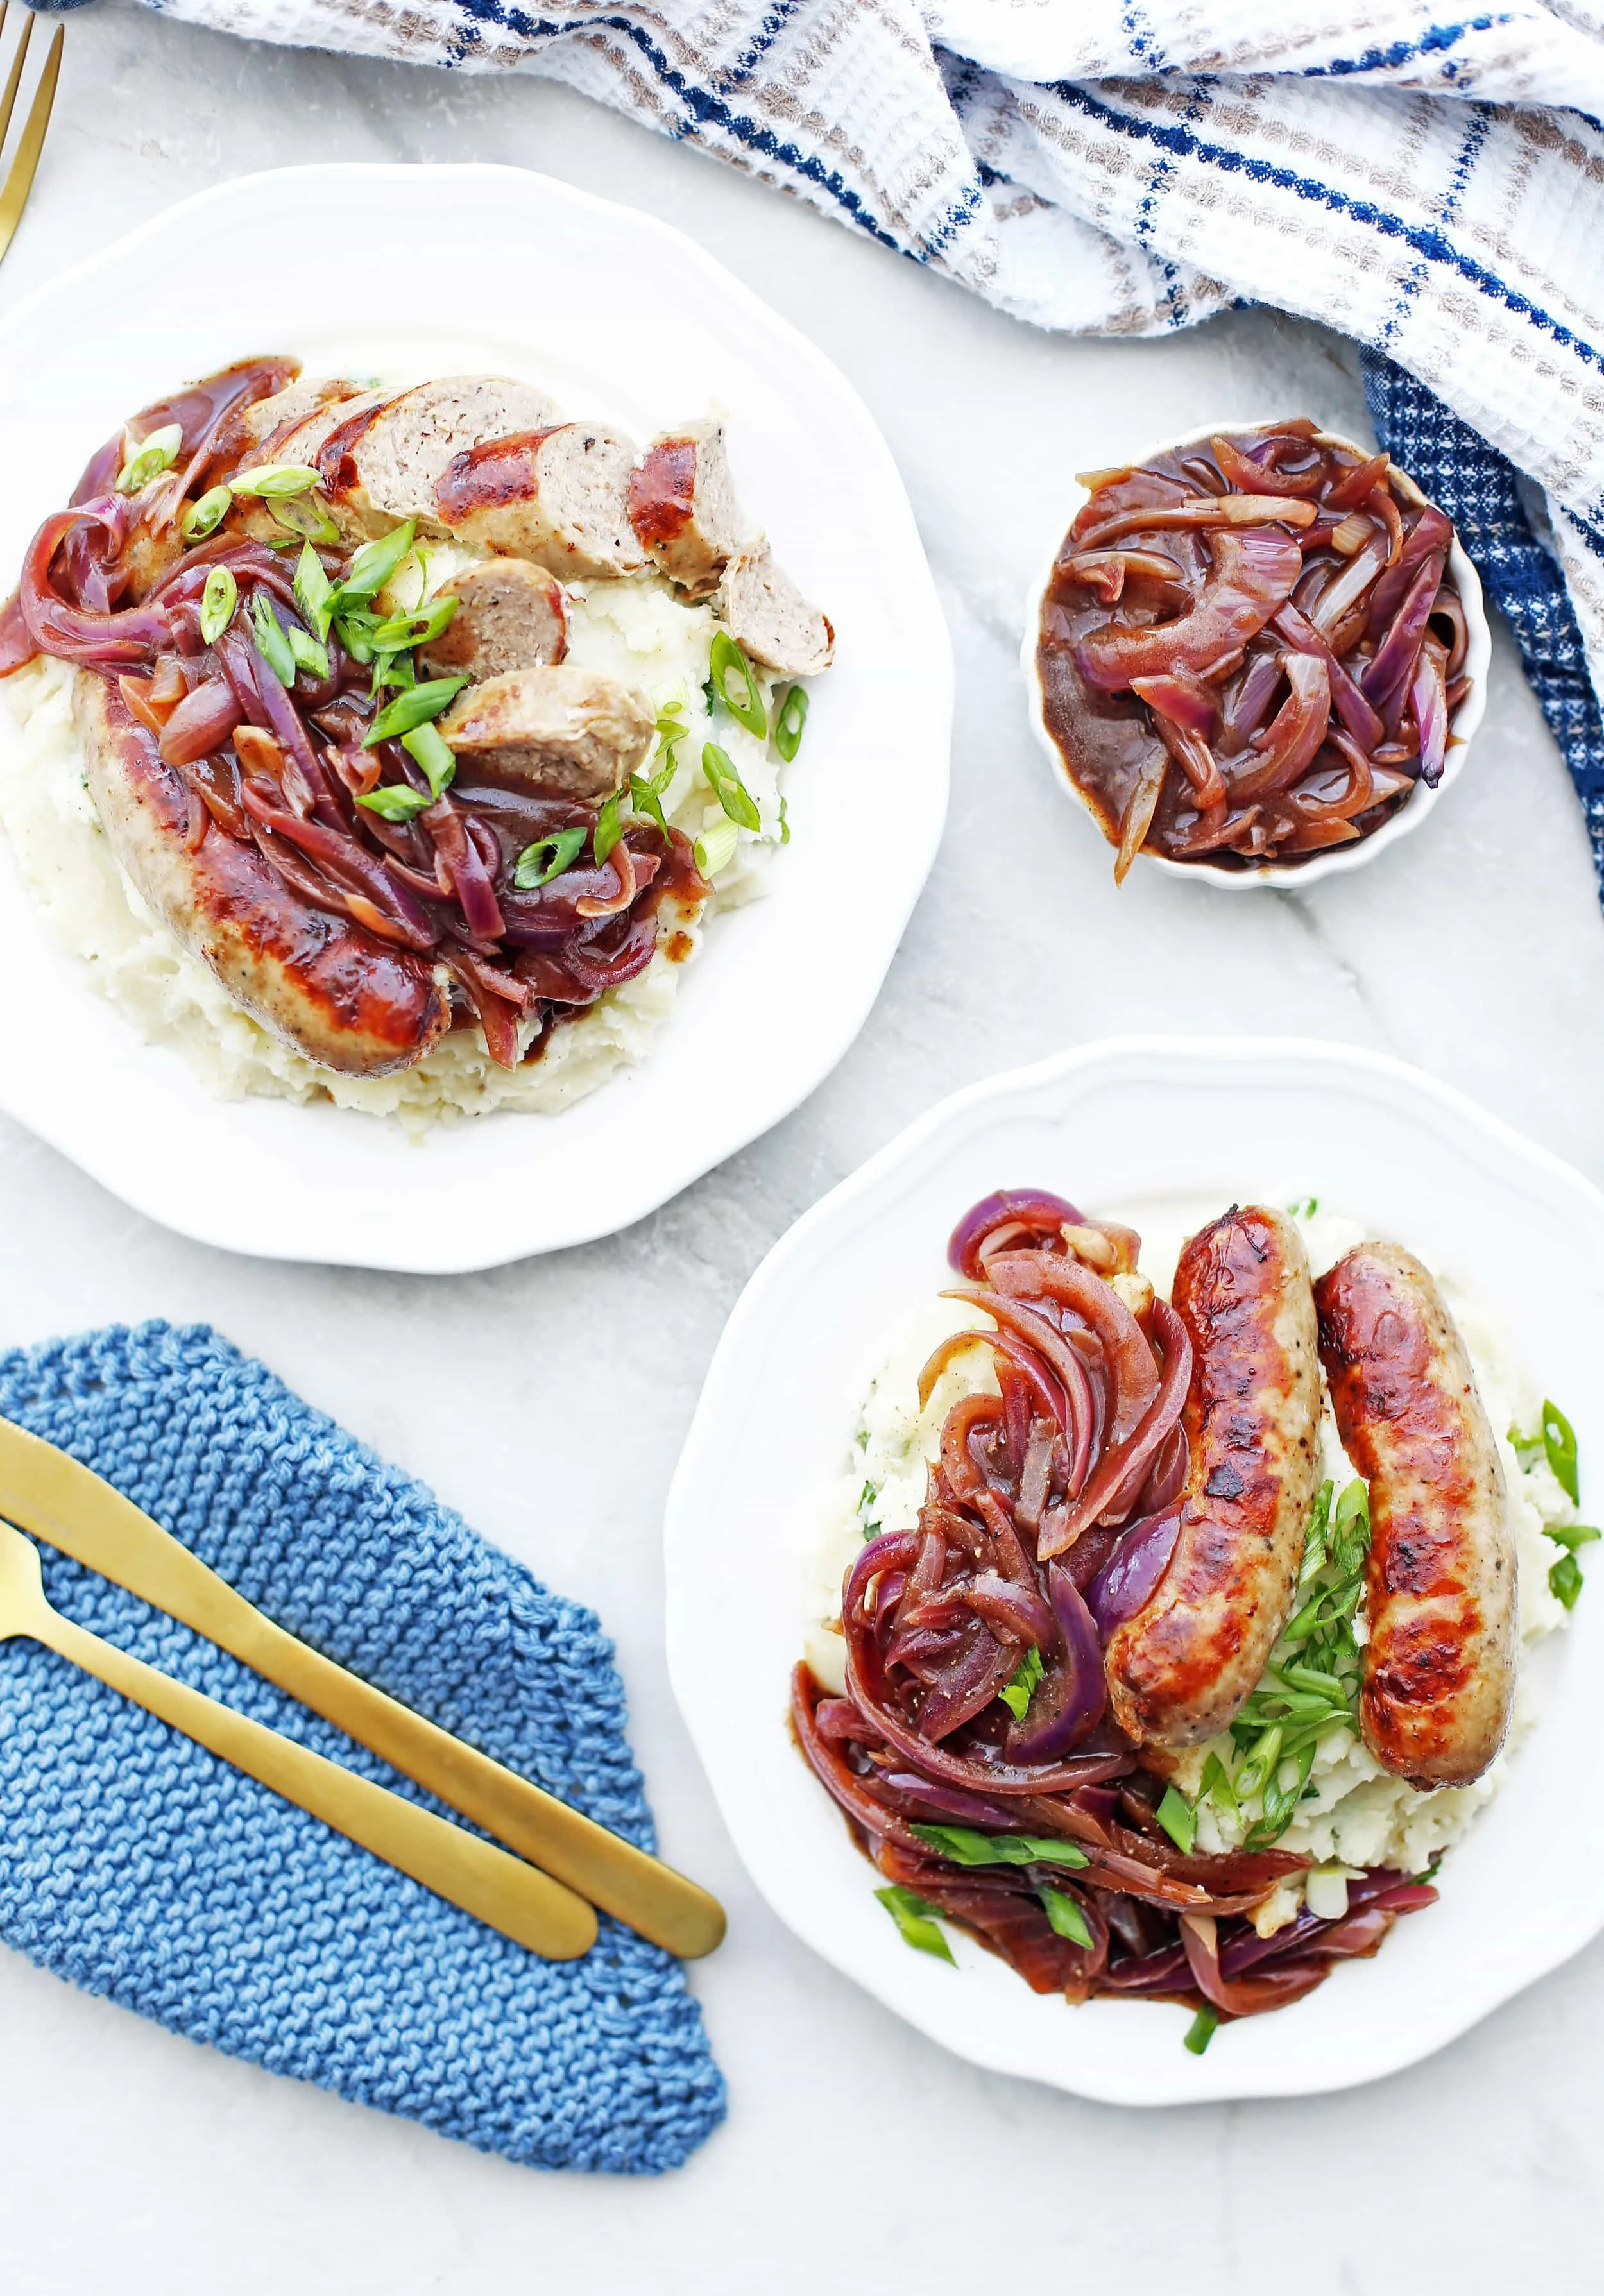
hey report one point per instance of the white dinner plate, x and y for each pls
(1116, 1123)
(624, 318)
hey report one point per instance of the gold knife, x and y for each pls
(57, 1499)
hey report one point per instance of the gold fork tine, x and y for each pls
(13, 197)
(14, 82)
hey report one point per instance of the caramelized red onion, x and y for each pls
(1269, 593)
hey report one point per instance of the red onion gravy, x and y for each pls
(1249, 649)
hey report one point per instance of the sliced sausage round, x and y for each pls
(683, 506)
(384, 468)
(769, 618)
(509, 616)
(1439, 1663)
(560, 496)
(564, 731)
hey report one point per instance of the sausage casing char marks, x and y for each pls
(339, 995)
(1439, 1665)
(1179, 1668)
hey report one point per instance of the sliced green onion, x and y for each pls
(373, 564)
(397, 802)
(547, 858)
(645, 796)
(271, 643)
(1016, 1694)
(414, 708)
(1259, 1764)
(150, 458)
(204, 517)
(309, 655)
(1215, 1786)
(785, 824)
(1564, 1580)
(1305, 1207)
(1559, 1441)
(306, 516)
(421, 629)
(728, 787)
(916, 1921)
(275, 481)
(735, 682)
(1179, 1819)
(218, 599)
(427, 747)
(715, 848)
(1201, 2031)
(356, 626)
(608, 828)
(789, 719)
(1571, 1535)
(1067, 1918)
(314, 592)
(965, 1846)
(393, 669)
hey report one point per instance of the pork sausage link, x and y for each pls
(1439, 1665)
(338, 995)
(1179, 1668)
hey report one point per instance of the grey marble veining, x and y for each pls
(549, 1400)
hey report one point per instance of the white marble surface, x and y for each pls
(1475, 949)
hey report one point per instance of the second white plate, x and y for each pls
(624, 318)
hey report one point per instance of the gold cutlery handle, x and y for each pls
(510, 1896)
(56, 1498)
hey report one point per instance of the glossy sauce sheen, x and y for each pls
(345, 999)
(1439, 1671)
(1179, 1668)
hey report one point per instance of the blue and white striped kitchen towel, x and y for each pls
(1430, 181)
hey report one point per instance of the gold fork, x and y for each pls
(19, 183)
(512, 1897)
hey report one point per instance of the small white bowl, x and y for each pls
(1337, 858)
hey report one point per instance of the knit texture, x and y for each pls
(138, 1866)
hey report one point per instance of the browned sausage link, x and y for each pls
(333, 991)
(1439, 1665)
(489, 476)
(663, 492)
(1179, 1668)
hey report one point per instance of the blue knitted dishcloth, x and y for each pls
(138, 1866)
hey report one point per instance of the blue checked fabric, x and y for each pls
(1430, 179)
(137, 1866)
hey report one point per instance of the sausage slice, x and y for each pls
(564, 731)
(1439, 1665)
(1179, 1668)
(305, 441)
(384, 468)
(560, 496)
(683, 506)
(509, 616)
(346, 999)
(769, 618)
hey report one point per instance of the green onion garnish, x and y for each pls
(309, 655)
(304, 515)
(1305, 1207)
(789, 719)
(1215, 1786)
(393, 669)
(204, 517)
(421, 629)
(965, 1846)
(646, 795)
(314, 592)
(735, 682)
(356, 627)
(715, 848)
(218, 599)
(1564, 1577)
(373, 564)
(271, 642)
(1559, 1441)
(414, 708)
(728, 787)
(1016, 1694)
(428, 748)
(1179, 1819)
(275, 481)
(397, 802)
(608, 828)
(1200, 2032)
(916, 1921)
(1067, 1918)
(785, 824)
(150, 458)
(547, 858)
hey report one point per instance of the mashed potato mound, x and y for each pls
(1353, 1814)
(638, 630)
